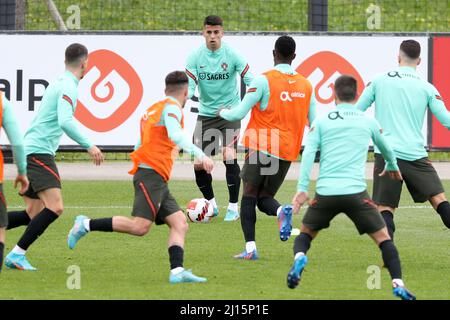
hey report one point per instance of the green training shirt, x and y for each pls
(215, 73)
(11, 127)
(55, 116)
(343, 137)
(401, 99)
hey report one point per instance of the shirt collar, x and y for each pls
(174, 99)
(215, 51)
(346, 105)
(407, 68)
(71, 76)
(285, 68)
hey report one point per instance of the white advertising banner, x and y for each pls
(126, 72)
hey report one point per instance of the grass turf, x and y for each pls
(118, 266)
(243, 15)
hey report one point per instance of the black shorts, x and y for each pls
(420, 177)
(152, 198)
(3, 211)
(358, 207)
(42, 173)
(264, 172)
(212, 133)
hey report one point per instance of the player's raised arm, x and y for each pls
(254, 94)
(437, 107)
(367, 97)
(388, 153)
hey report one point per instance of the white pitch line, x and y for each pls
(129, 207)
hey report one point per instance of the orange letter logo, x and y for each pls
(322, 69)
(110, 92)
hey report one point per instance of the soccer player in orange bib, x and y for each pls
(161, 134)
(282, 103)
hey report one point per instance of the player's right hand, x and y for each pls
(207, 164)
(24, 183)
(395, 175)
(299, 199)
(96, 155)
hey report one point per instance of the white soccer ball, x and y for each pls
(200, 211)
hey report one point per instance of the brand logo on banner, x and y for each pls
(322, 69)
(112, 92)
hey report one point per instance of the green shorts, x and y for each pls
(212, 133)
(42, 173)
(420, 177)
(3, 211)
(264, 172)
(152, 199)
(358, 207)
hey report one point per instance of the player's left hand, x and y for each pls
(24, 183)
(96, 155)
(395, 175)
(299, 199)
(219, 110)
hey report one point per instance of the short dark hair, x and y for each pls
(285, 46)
(411, 48)
(75, 52)
(213, 21)
(176, 80)
(345, 88)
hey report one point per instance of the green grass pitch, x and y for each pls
(118, 266)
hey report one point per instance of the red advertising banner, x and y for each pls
(441, 80)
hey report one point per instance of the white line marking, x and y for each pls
(129, 207)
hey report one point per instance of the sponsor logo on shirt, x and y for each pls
(290, 96)
(213, 76)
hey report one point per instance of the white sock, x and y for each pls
(19, 250)
(176, 270)
(233, 206)
(298, 255)
(213, 202)
(398, 282)
(250, 246)
(279, 210)
(86, 224)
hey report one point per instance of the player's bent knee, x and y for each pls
(382, 208)
(198, 167)
(179, 224)
(309, 231)
(228, 154)
(141, 227)
(437, 199)
(58, 209)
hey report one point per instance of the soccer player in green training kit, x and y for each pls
(214, 68)
(402, 98)
(161, 135)
(43, 198)
(9, 123)
(343, 137)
